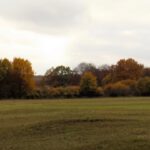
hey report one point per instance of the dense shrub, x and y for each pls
(51, 92)
(132, 84)
(66, 92)
(39, 93)
(116, 89)
(71, 91)
(144, 86)
(107, 79)
(34, 95)
(99, 91)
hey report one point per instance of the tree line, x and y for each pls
(126, 78)
(16, 78)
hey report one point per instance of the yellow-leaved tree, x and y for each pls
(88, 84)
(23, 77)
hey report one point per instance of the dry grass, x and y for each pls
(81, 124)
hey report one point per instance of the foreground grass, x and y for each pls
(82, 124)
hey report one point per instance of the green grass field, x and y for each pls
(75, 124)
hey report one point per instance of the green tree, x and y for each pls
(88, 84)
(59, 76)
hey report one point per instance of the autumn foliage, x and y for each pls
(88, 84)
(16, 78)
(127, 69)
(126, 78)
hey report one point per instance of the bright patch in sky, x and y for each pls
(43, 50)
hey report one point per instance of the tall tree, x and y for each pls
(59, 76)
(103, 73)
(88, 84)
(100, 72)
(127, 69)
(23, 77)
(85, 67)
(5, 78)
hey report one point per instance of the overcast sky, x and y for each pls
(67, 32)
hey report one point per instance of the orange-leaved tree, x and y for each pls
(127, 69)
(23, 77)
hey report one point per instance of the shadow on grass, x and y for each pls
(61, 126)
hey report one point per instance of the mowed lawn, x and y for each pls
(75, 124)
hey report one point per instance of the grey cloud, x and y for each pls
(104, 45)
(103, 31)
(49, 14)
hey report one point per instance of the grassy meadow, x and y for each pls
(75, 124)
